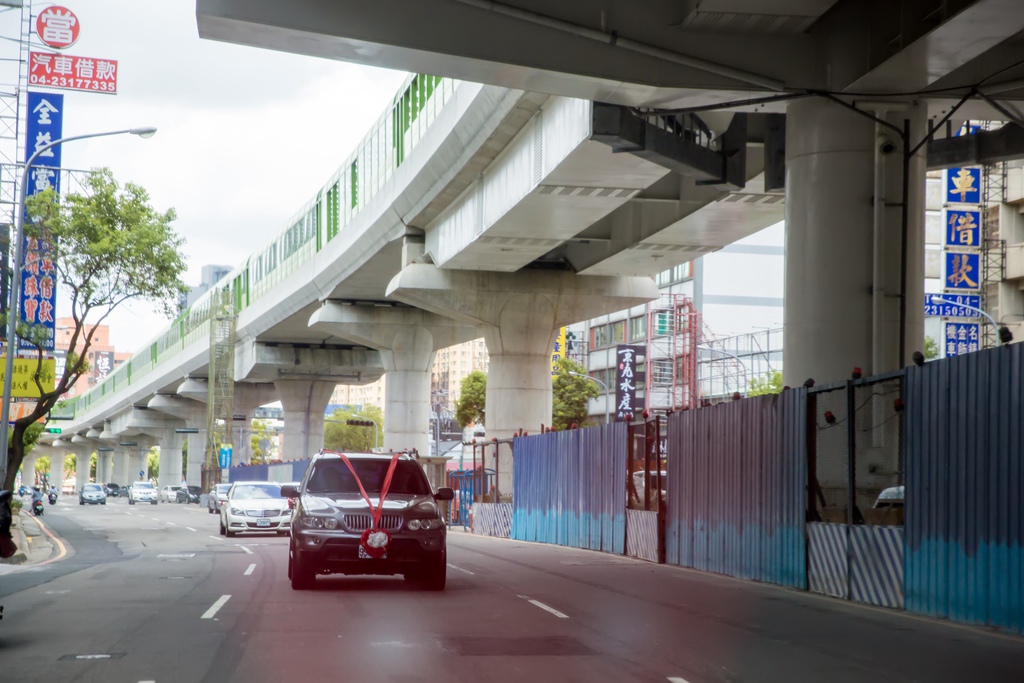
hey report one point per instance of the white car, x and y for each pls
(142, 492)
(216, 499)
(255, 506)
(169, 494)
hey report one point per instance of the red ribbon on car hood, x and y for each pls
(375, 512)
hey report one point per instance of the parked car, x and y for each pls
(93, 494)
(216, 498)
(187, 494)
(112, 490)
(331, 515)
(169, 494)
(142, 492)
(254, 506)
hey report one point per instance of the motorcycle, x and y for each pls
(37, 508)
(53, 498)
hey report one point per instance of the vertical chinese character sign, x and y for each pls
(626, 379)
(557, 351)
(39, 276)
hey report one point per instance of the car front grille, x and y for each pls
(263, 513)
(364, 522)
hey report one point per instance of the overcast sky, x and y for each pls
(246, 136)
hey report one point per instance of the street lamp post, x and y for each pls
(743, 368)
(607, 394)
(940, 300)
(437, 394)
(15, 293)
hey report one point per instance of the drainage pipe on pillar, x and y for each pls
(883, 147)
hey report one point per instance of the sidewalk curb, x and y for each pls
(34, 545)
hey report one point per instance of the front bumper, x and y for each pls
(92, 501)
(244, 523)
(338, 551)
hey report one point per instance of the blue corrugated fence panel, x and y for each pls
(964, 532)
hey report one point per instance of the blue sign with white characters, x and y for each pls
(963, 185)
(952, 305)
(39, 274)
(225, 456)
(963, 228)
(962, 271)
(961, 338)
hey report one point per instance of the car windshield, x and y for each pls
(333, 476)
(222, 488)
(92, 487)
(256, 491)
(142, 485)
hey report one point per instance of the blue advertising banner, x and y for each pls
(38, 284)
(225, 456)
(961, 338)
(963, 228)
(962, 271)
(963, 186)
(952, 305)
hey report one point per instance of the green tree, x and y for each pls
(262, 432)
(339, 436)
(570, 394)
(108, 246)
(153, 463)
(931, 349)
(471, 407)
(768, 384)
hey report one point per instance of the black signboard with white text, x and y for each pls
(627, 377)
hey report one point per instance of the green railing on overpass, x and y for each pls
(335, 206)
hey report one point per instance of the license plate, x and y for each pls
(364, 556)
(262, 522)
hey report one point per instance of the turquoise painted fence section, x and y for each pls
(570, 488)
(736, 488)
(964, 528)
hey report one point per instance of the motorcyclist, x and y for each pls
(37, 495)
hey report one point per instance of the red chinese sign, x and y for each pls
(58, 27)
(68, 72)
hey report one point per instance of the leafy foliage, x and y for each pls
(472, 404)
(153, 463)
(339, 436)
(931, 349)
(108, 246)
(570, 395)
(263, 434)
(768, 384)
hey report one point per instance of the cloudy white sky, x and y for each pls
(246, 136)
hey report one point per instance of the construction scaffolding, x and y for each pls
(674, 332)
(221, 382)
(16, 33)
(730, 364)
(993, 255)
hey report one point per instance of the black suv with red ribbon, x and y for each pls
(366, 513)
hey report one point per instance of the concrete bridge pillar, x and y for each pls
(519, 315)
(843, 252)
(83, 463)
(58, 457)
(408, 339)
(28, 470)
(119, 469)
(188, 405)
(171, 443)
(248, 397)
(304, 402)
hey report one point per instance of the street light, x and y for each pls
(939, 300)
(743, 368)
(607, 394)
(15, 295)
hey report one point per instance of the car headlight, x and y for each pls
(237, 511)
(424, 524)
(316, 522)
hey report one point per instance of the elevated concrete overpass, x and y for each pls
(468, 210)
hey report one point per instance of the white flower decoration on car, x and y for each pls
(377, 539)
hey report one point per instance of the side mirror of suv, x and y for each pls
(289, 491)
(444, 493)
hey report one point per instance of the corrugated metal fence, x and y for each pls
(569, 488)
(965, 488)
(736, 488)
